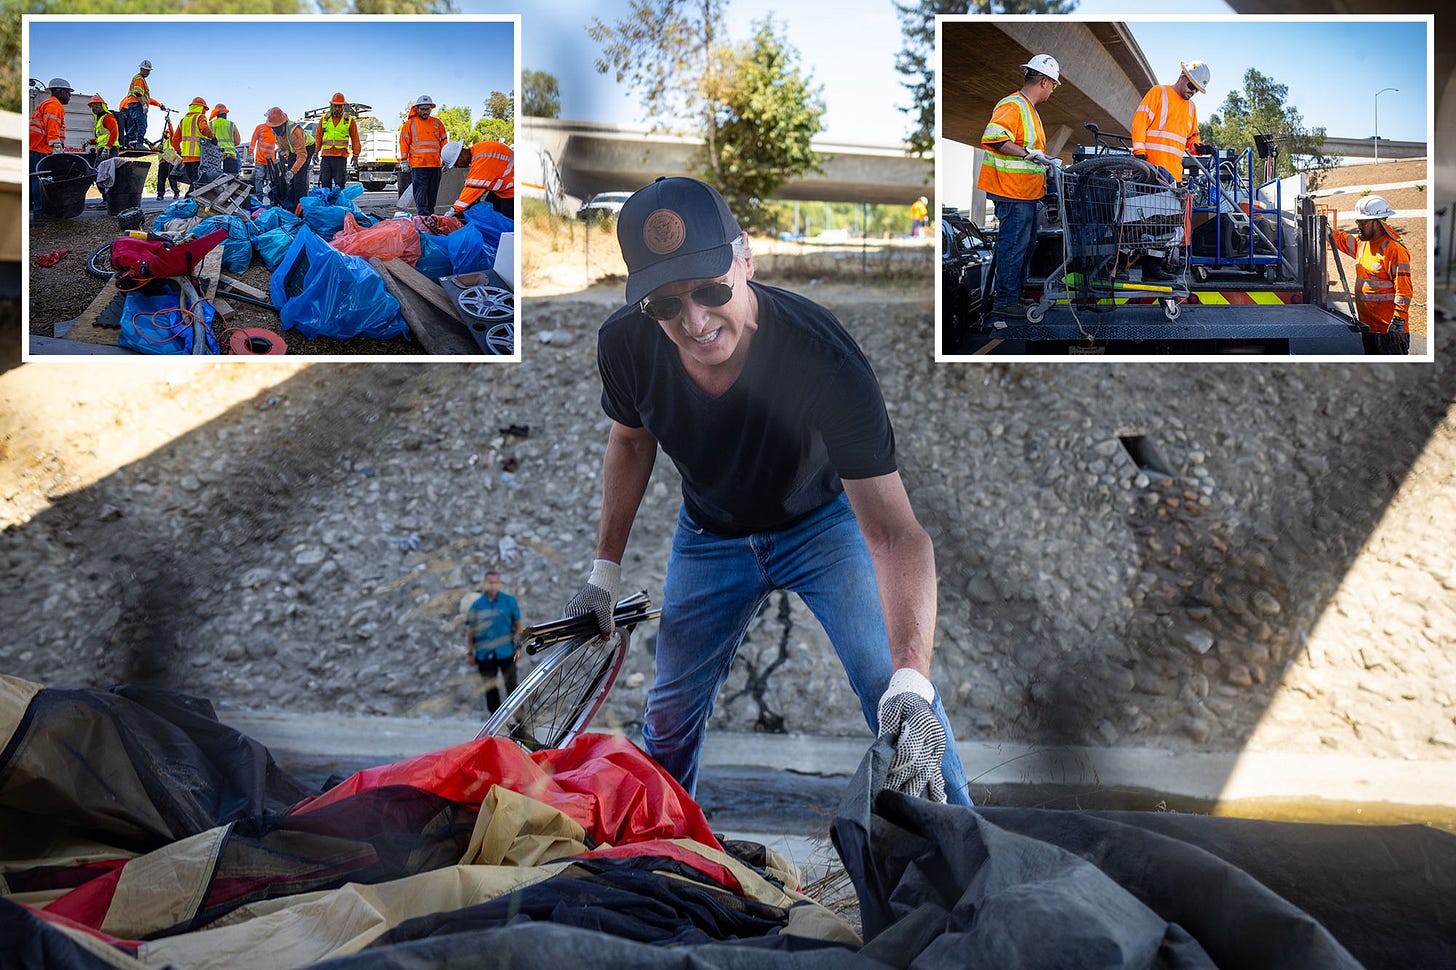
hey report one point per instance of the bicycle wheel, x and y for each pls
(99, 264)
(558, 699)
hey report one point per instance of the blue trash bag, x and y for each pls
(434, 261)
(156, 325)
(273, 245)
(324, 293)
(489, 223)
(468, 253)
(275, 217)
(181, 209)
(237, 251)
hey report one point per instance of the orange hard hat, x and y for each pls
(338, 98)
(199, 101)
(275, 117)
(220, 109)
(96, 99)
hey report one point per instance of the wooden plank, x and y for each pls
(223, 307)
(54, 345)
(212, 271)
(436, 332)
(424, 286)
(238, 286)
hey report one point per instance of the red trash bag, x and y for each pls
(387, 239)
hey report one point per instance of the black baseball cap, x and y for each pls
(674, 229)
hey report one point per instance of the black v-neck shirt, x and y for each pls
(805, 413)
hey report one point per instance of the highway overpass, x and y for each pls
(580, 158)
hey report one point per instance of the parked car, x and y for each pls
(603, 205)
(966, 254)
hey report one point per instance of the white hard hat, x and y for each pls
(1197, 72)
(1045, 64)
(144, 66)
(450, 152)
(59, 83)
(423, 100)
(1373, 207)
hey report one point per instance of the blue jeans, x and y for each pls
(1013, 245)
(35, 158)
(136, 122)
(714, 587)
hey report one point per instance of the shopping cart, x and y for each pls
(1124, 234)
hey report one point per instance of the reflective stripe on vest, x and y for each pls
(103, 134)
(1012, 176)
(40, 137)
(139, 88)
(265, 146)
(506, 178)
(226, 134)
(191, 135)
(336, 136)
(427, 146)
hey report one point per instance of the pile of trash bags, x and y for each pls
(317, 253)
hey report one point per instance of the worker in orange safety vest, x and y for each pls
(1383, 288)
(47, 132)
(1165, 124)
(420, 141)
(337, 134)
(1013, 176)
(492, 175)
(134, 106)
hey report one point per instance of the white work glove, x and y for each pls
(404, 166)
(907, 719)
(1038, 156)
(599, 596)
(58, 147)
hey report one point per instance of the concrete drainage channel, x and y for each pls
(783, 789)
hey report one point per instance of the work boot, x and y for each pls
(1017, 309)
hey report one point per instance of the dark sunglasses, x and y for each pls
(710, 295)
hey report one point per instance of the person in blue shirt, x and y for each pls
(491, 628)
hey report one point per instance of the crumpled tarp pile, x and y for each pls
(135, 830)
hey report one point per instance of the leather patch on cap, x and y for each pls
(664, 231)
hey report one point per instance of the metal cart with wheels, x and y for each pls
(1124, 234)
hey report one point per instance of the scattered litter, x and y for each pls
(50, 259)
(407, 543)
(508, 550)
(517, 430)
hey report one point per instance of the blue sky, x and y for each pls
(850, 47)
(382, 63)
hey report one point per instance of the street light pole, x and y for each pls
(1377, 121)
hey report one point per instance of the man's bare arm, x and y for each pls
(904, 567)
(631, 453)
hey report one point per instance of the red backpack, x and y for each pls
(143, 258)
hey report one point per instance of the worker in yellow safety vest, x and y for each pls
(47, 131)
(134, 105)
(1383, 288)
(188, 138)
(919, 214)
(1013, 176)
(226, 134)
(108, 133)
(1165, 124)
(492, 175)
(420, 141)
(337, 134)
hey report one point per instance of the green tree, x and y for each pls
(690, 78)
(457, 121)
(370, 123)
(495, 129)
(768, 112)
(1263, 108)
(917, 54)
(501, 105)
(540, 94)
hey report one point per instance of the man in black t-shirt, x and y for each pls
(777, 425)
